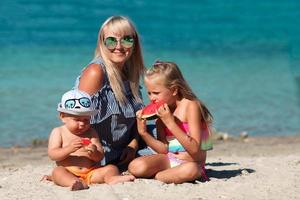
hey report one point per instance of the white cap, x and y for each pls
(76, 102)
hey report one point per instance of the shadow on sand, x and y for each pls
(226, 174)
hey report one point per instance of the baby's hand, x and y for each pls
(75, 144)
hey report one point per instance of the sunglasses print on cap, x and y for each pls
(112, 42)
(85, 102)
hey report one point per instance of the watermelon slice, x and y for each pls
(149, 112)
(85, 141)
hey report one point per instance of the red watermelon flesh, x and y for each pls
(85, 141)
(149, 112)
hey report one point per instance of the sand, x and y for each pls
(252, 168)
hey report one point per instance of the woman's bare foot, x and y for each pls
(78, 185)
(119, 179)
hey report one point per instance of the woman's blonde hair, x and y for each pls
(134, 67)
(172, 78)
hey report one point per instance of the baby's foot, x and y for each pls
(46, 178)
(126, 173)
(78, 185)
(120, 179)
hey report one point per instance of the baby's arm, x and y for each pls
(95, 149)
(56, 151)
(157, 145)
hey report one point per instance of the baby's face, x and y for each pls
(77, 124)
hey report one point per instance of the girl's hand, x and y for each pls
(75, 145)
(141, 123)
(165, 114)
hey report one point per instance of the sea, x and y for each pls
(242, 58)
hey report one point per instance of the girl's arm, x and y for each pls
(155, 144)
(56, 151)
(91, 79)
(190, 142)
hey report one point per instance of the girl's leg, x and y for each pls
(148, 166)
(109, 174)
(63, 177)
(188, 171)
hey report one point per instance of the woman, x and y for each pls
(112, 79)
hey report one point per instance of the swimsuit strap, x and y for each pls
(183, 126)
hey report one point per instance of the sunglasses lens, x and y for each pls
(110, 42)
(85, 102)
(127, 41)
(70, 103)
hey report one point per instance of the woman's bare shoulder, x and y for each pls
(91, 79)
(92, 70)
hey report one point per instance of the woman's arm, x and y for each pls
(129, 152)
(91, 79)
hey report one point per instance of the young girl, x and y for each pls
(182, 129)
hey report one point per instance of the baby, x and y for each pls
(76, 148)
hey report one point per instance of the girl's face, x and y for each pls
(76, 124)
(157, 91)
(120, 53)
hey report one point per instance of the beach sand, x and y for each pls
(251, 168)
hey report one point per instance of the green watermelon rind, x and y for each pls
(150, 117)
(153, 115)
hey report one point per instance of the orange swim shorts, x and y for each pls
(84, 175)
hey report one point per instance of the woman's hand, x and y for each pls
(91, 149)
(127, 156)
(141, 123)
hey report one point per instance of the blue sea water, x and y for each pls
(242, 58)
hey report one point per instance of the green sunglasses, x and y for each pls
(126, 42)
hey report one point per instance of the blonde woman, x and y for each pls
(112, 79)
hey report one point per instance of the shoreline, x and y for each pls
(216, 137)
(239, 168)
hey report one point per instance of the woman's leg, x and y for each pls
(148, 166)
(63, 177)
(188, 171)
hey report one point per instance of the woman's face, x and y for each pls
(119, 54)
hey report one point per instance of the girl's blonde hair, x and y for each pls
(173, 78)
(134, 67)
